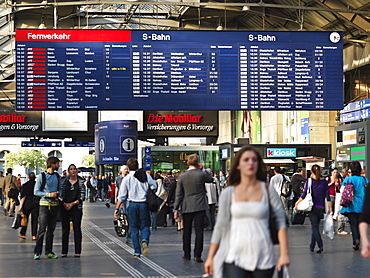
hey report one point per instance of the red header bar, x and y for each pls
(72, 35)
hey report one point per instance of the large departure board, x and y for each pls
(178, 70)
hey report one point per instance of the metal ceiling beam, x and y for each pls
(358, 21)
(191, 4)
(148, 21)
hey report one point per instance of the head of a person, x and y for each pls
(247, 161)
(1, 174)
(52, 162)
(344, 172)
(193, 160)
(300, 171)
(222, 174)
(334, 172)
(72, 170)
(169, 173)
(124, 170)
(283, 171)
(316, 170)
(355, 168)
(31, 176)
(277, 170)
(9, 170)
(132, 164)
(19, 176)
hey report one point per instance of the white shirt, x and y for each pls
(250, 241)
(134, 190)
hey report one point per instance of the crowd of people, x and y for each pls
(238, 206)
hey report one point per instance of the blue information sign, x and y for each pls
(178, 70)
(41, 144)
(148, 159)
(116, 141)
(79, 144)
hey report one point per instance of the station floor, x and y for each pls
(106, 255)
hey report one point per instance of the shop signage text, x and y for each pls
(272, 152)
(171, 118)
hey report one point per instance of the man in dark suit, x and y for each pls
(191, 197)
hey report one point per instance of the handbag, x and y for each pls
(298, 217)
(152, 199)
(17, 221)
(306, 204)
(13, 193)
(24, 221)
(121, 225)
(272, 221)
(347, 194)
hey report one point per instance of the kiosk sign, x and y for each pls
(274, 152)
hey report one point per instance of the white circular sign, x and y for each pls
(334, 37)
(101, 145)
(128, 145)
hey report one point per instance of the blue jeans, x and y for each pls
(1, 196)
(139, 222)
(154, 220)
(315, 216)
(354, 222)
(100, 192)
(47, 219)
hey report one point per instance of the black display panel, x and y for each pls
(178, 70)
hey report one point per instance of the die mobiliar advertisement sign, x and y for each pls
(180, 123)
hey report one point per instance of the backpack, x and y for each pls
(286, 187)
(347, 195)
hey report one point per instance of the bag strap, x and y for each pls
(309, 184)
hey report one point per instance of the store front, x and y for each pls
(162, 158)
(352, 144)
(290, 157)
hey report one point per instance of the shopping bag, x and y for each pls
(121, 225)
(24, 221)
(17, 221)
(283, 273)
(328, 227)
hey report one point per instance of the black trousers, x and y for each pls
(198, 218)
(30, 208)
(74, 214)
(233, 271)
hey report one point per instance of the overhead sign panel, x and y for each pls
(178, 70)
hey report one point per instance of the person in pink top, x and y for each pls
(334, 183)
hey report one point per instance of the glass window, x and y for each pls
(361, 135)
(339, 138)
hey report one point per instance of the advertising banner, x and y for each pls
(180, 123)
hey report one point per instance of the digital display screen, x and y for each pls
(178, 70)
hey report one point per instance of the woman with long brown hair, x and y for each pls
(72, 195)
(241, 245)
(320, 190)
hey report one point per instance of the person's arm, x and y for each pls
(365, 244)
(364, 226)
(36, 190)
(284, 250)
(208, 266)
(152, 183)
